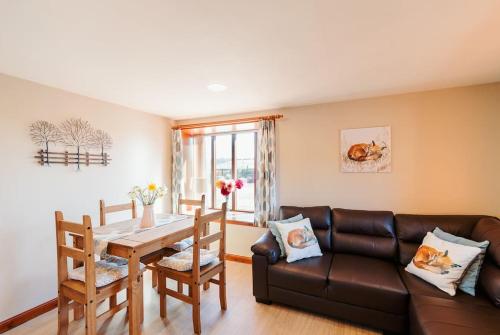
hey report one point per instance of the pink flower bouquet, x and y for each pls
(229, 186)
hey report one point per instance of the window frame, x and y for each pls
(233, 198)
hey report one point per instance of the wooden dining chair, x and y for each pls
(103, 210)
(202, 205)
(85, 291)
(198, 275)
(191, 202)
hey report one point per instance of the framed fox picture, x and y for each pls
(365, 149)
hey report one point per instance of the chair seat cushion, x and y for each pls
(183, 261)
(106, 272)
(367, 282)
(116, 260)
(433, 315)
(308, 276)
(182, 245)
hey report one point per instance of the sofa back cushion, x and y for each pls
(321, 222)
(366, 233)
(411, 230)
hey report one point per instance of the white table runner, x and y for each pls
(114, 231)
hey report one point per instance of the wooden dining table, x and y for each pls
(144, 246)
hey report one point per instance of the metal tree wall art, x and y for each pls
(43, 133)
(101, 140)
(77, 133)
(73, 133)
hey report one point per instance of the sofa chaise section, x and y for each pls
(432, 311)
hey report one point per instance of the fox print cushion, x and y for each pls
(299, 240)
(442, 263)
(274, 230)
(469, 280)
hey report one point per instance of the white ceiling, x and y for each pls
(159, 56)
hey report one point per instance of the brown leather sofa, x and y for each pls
(361, 276)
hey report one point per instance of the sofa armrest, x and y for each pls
(490, 281)
(267, 246)
(488, 228)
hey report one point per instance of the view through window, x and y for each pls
(234, 156)
(210, 157)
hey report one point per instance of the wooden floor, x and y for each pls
(243, 316)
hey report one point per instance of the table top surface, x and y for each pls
(167, 233)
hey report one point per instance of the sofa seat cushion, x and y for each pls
(417, 286)
(308, 276)
(433, 315)
(367, 282)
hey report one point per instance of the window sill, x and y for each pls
(237, 218)
(240, 218)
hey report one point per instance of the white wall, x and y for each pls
(30, 193)
(239, 238)
(444, 154)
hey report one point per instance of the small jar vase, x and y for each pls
(148, 217)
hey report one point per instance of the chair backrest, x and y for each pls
(83, 254)
(200, 241)
(199, 203)
(103, 210)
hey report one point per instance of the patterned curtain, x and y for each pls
(265, 195)
(177, 168)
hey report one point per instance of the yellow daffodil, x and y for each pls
(220, 183)
(148, 194)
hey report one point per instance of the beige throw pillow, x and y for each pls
(442, 263)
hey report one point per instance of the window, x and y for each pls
(227, 155)
(234, 157)
(245, 147)
(223, 165)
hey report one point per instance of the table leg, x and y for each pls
(134, 294)
(141, 287)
